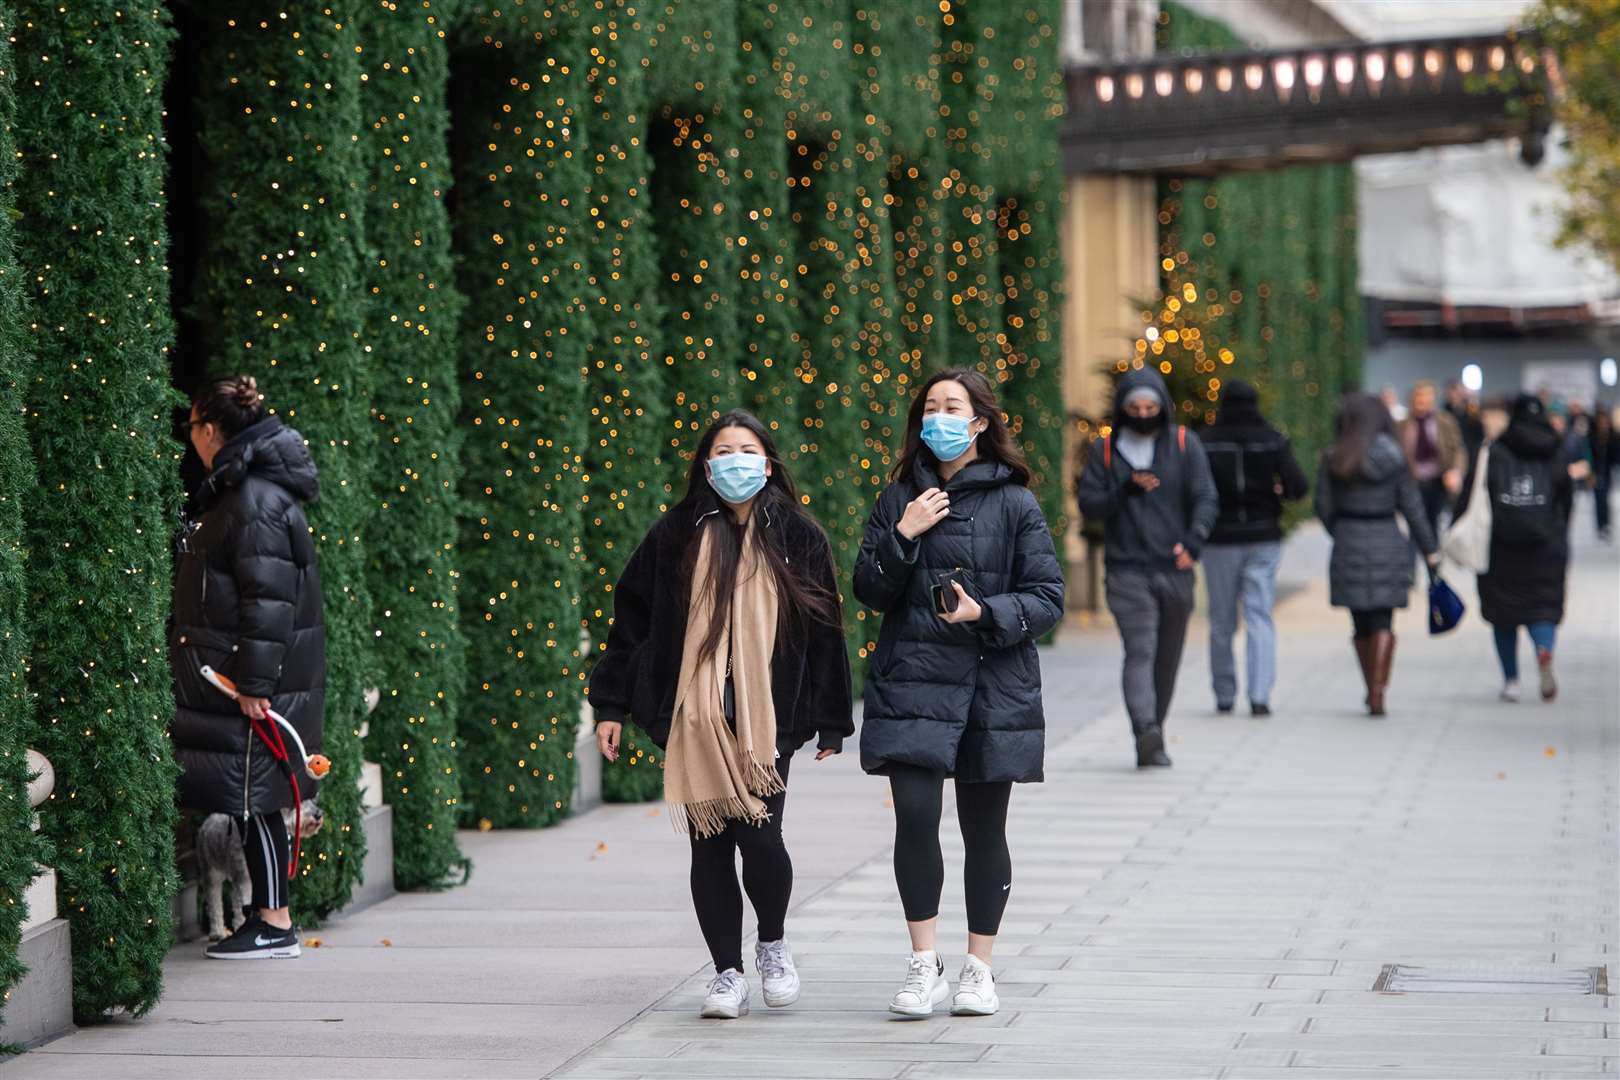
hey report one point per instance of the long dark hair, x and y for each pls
(801, 599)
(232, 404)
(1362, 418)
(995, 441)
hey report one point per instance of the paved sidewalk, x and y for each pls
(1228, 918)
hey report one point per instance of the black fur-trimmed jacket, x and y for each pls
(247, 602)
(635, 677)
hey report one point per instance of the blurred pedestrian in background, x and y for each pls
(727, 647)
(1254, 470)
(1362, 484)
(960, 561)
(247, 602)
(1601, 450)
(1464, 409)
(1148, 481)
(1530, 482)
(1433, 443)
(1391, 399)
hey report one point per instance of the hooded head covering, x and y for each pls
(1530, 433)
(1240, 404)
(1136, 382)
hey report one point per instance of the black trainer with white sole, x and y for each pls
(257, 940)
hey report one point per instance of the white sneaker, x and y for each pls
(728, 996)
(925, 986)
(778, 978)
(1510, 691)
(976, 992)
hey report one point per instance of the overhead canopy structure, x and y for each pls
(1252, 110)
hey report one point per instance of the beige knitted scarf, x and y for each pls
(710, 774)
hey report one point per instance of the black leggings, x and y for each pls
(767, 876)
(1369, 621)
(919, 867)
(268, 849)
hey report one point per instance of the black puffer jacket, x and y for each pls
(1526, 579)
(247, 602)
(636, 677)
(1250, 461)
(965, 699)
(1371, 565)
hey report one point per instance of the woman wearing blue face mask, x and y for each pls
(959, 560)
(727, 647)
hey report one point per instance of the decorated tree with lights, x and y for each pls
(523, 239)
(282, 281)
(20, 847)
(1585, 37)
(88, 189)
(410, 334)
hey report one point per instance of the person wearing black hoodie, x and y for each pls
(1528, 478)
(1148, 481)
(247, 602)
(1255, 470)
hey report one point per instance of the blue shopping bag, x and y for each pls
(1445, 606)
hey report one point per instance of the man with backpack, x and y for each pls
(1255, 470)
(1531, 486)
(1148, 481)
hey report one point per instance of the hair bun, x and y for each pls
(245, 392)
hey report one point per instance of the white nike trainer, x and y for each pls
(925, 986)
(778, 977)
(728, 996)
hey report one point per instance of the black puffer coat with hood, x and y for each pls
(1371, 565)
(965, 699)
(247, 602)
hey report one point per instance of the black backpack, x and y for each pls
(1523, 493)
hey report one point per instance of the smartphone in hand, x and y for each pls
(944, 595)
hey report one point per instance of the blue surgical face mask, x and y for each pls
(737, 478)
(947, 436)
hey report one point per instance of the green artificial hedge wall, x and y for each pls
(91, 240)
(20, 847)
(410, 335)
(283, 280)
(1263, 269)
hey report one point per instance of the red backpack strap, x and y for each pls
(1181, 438)
(1108, 451)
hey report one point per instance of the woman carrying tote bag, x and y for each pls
(959, 560)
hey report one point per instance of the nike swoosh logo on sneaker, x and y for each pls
(261, 941)
(1007, 886)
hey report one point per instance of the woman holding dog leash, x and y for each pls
(959, 559)
(247, 606)
(728, 649)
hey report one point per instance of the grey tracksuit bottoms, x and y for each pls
(1151, 608)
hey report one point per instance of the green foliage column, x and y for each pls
(628, 414)
(20, 847)
(416, 405)
(282, 282)
(524, 237)
(91, 242)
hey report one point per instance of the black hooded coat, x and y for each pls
(247, 602)
(1526, 476)
(1142, 528)
(1250, 461)
(964, 699)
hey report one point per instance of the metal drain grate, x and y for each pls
(1478, 979)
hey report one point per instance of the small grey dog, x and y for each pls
(219, 851)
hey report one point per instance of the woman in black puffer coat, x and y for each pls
(1363, 483)
(959, 560)
(247, 602)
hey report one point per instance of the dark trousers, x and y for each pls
(1600, 501)
(919, 865)
(1436, 500)
(767, 877)
(1151, 608)
(268, 849)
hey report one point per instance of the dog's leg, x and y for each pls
(242, 890)
(214, 903)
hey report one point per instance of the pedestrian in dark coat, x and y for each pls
(1604, 451)
(960, 561)
(1254, 470)
(1362, 484)
(1528, 480)
(728, 649)
(247, 602)
(1148, 482)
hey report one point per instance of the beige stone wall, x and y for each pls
(1111, 253)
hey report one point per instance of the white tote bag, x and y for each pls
(1468, 541)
